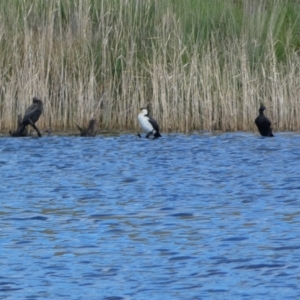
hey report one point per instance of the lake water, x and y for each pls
(196, 216)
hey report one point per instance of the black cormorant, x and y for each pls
(263, 123)
(31, 116)
(91, 130)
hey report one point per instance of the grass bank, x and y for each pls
(200, 64)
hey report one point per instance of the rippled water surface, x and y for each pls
(183, 217)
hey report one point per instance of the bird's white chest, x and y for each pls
(144, 123)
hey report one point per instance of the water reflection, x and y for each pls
(182, 217)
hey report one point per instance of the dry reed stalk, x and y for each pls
(109, 58)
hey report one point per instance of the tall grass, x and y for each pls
(203, 65)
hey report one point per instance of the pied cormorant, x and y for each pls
(148, 124)
(263, 123)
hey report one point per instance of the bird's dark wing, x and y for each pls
(154, 124)
(33, 112)
(92, 127)
(80, 128)
(30, 109)
(262, 121)
(267, 122)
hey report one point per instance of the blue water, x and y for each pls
(182, 217)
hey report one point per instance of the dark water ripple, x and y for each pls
(183, 217)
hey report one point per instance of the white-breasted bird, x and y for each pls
(148, 124)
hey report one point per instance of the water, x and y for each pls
(183, 217)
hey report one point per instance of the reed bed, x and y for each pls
(202, 65)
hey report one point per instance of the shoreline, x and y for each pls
(74, 133)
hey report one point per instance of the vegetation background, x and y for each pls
(201, 64)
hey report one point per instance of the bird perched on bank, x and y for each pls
(91, 130)
(32, 114)
(263, 123)
(148, 124)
